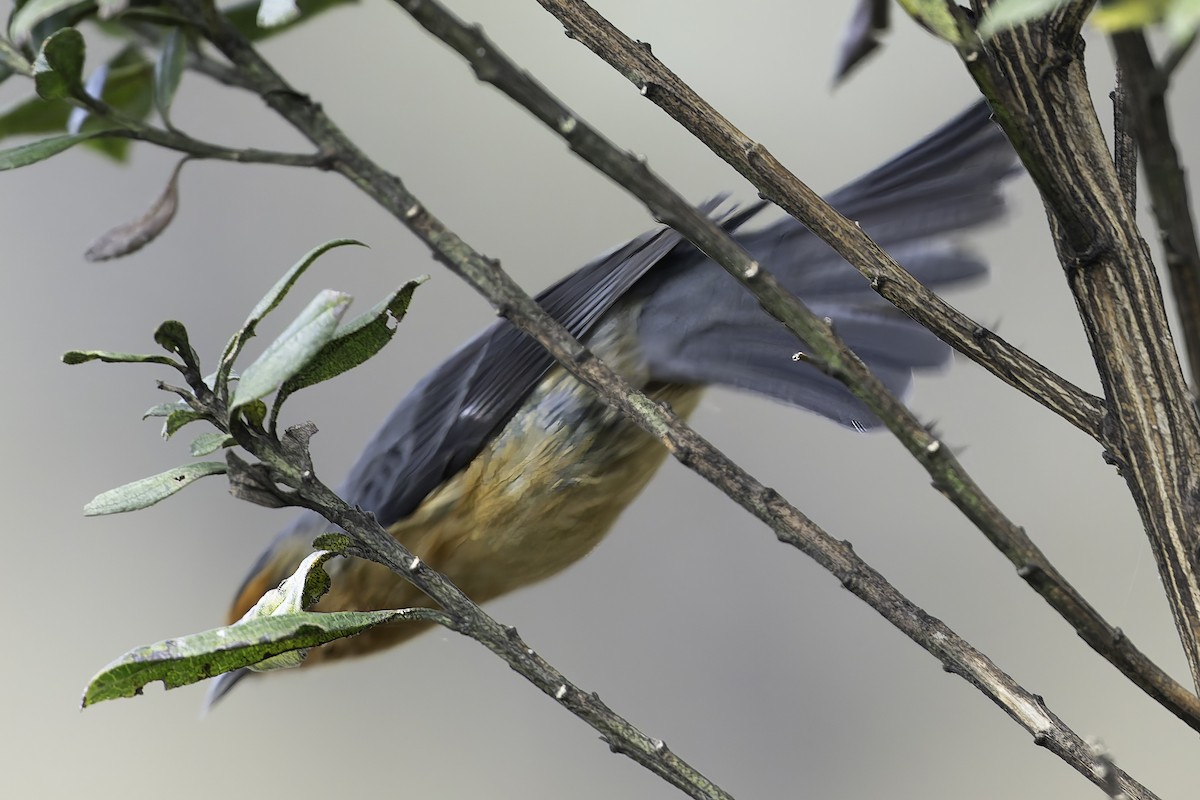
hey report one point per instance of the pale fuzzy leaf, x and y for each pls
(208, 443)
(12, 58)
(25, 19)
(1123, 15)
(288, 354)
(148, 491)
(177, 419)
(163, 409)
(937, 17)
(296, 593)
(1182, 21)
(273, 13)
(352, 345)
(1005, 14)
(83, 356)
(269, 301)
(244, 16)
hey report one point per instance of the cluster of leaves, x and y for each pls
(314, 347)
(1180, 19)
(112, 104)
(127, 87)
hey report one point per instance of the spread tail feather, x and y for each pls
(699, 326)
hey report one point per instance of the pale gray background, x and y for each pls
(690, 618)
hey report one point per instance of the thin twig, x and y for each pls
(180, 142)
(790, 525)
(614, 47)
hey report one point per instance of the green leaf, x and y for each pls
(1005, 14)
(172, 336)
(297, 592)
(148, 491)
(82, 356)
(177, 419)
(26, 154)
(34, 116)
(164, 409)
(289, 353)
(58, 70)
(126, 88)
(352, 345)
(168, 70)
(1182, 21)
(268, 303)
(255, 413)
(126, 84)
(27, 17)
(939, 17)
(193, 658)
(337, 542)
(244, 17)
(207, 443)
(133, 236)
(1120, 15)
(130, 89)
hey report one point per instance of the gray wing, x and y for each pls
(443, 423)
(698, 326)
(447, 418)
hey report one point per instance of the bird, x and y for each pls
(500, 469)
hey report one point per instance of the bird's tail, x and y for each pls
(699, 326)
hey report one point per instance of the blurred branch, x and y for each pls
(1035, 79)
(182, 143)
(635, 59)
(1146, 90)
(661, 86)
(788, 522)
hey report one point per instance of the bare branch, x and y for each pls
(1034, 77)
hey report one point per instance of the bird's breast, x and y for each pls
(543, 492)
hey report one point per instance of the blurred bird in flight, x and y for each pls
(500, 469)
